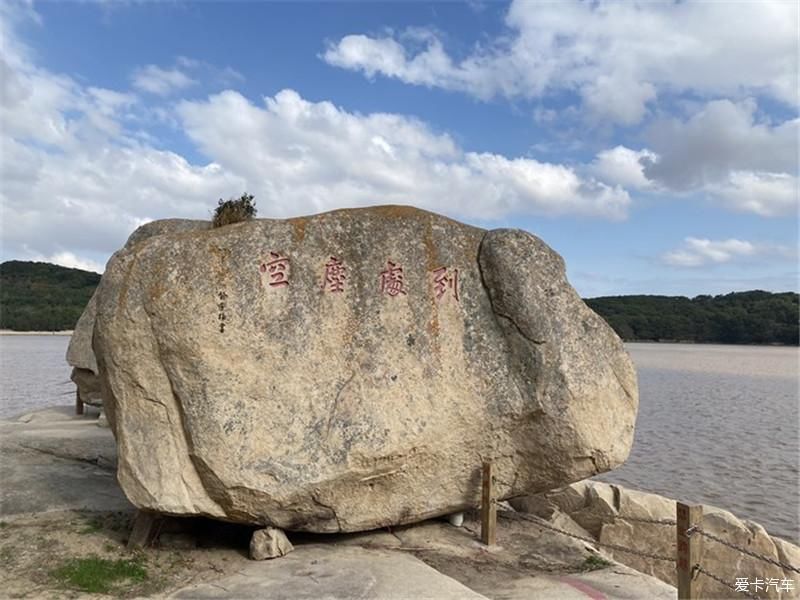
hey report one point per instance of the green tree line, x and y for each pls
(754, 317)
(36, 296)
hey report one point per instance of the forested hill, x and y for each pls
(41, 296)
(36, 296)
(739, 318)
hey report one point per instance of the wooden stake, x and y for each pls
(688, 551)
(78, 403)
(488, 507)
(145, 528)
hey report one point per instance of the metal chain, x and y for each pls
(618, 517)
(670, 522)
(777, 563)
(540, 522)
(700, 569)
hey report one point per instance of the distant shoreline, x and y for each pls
(694, 343)
(12, 332)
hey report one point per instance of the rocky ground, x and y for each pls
(61, 508)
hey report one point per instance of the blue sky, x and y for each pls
(653, 145)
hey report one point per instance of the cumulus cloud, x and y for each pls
(68, 259)
(766, 194)
(302, 156)
(624, 166)
(699, 252)
(162, 82)
(722, 151)
(725, 151)
(617, 56)
(78, 173)
(721, 137)
(75, 180)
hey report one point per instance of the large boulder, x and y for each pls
(80, 355)
(353, 370)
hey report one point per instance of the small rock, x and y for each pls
(456, 519)
(102, 421)
(269, 543)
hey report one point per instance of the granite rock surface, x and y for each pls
(352, 370)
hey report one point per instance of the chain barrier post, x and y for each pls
(488, 507)
(688, 551)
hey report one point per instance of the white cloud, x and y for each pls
(89, 199)
(73, 177)
(624, 166)
(722, 151)
(726, 151)
(68, 259)
(207, 71)
(185, 73)
(77, 175)
(617, 56)
(698, 252)
(162, 82)
(301, 156)
(722, 136)
(766, 194)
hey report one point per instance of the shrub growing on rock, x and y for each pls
(234, 210)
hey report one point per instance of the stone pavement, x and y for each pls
(332, 572)
(52, 460)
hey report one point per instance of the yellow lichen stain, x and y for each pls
(395, 211)
(220, 265)
(122, 305)
(157, 290)
(221, 268)
(299, 225)
(431, 263)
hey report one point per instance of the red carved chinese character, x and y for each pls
(278, 269)
(442, 281)
(334, 275)
(392, 279)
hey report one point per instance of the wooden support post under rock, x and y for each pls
(488, 507)
(146, 526)
(78, 403)
(269, 543)
(688, 551)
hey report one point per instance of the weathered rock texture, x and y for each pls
(251, 390)
(605, 510)
(80, 355)
(269, 543)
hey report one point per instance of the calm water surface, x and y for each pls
(34, 373)
(717, 424)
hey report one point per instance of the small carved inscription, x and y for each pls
(222, 296)
(335, 274)
(392, 281)
(444, 280)
(277, 269)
